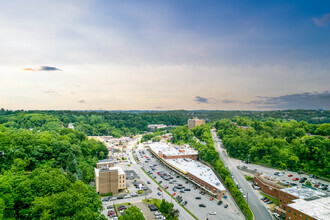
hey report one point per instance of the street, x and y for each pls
(256, 205)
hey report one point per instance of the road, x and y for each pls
(256, 205)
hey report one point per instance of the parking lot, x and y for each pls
(153, 165)
(287, 177)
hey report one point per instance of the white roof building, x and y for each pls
(172, 150)
(318, 208)
(199, 170)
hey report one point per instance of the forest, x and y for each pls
(283, 144)
(121, 123)
(46, 174)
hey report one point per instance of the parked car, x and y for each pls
(181, 191)
(211, 199)
(173, 194)
(277, 216)
(220, 202)
(263, 198)
(184, 203)
(157, 213)
(120, 197)
(212, 213)
(202, 205)
(198, 197)
(148, 182)
(266, 200)
(270, 202)
(159, 194)
(187, 189)
(295, 179)
(226, 206)
(290, 175)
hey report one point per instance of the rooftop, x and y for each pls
(106, 168)
(171, 150)
(318, 208)
(199, 170)
(303, 193)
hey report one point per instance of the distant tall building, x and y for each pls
(194, 122)
(109, 178)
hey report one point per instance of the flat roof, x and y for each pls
(197, 169)
(318, 208)
(120, 170)
(171, 150)
(303, 193)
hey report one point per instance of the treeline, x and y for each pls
(129, 123)
(208, 153)
(286, 145)
(45, 175)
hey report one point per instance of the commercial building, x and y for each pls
(288, 196)
(170, 151)
(268, 184)
(109, 178)
(194, 122)
(183, 160)
(309, 210)
(156, 126)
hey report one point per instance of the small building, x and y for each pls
(109, 178)
(153, 127)
(194, 122)
(268, 184)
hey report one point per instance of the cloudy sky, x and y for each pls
(160, 55)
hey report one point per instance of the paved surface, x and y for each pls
(257, 207)
(153, 186)
(271, 171)
(232, 212)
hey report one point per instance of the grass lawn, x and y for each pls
(248, 178)
(125, 204)
(270, 198)
(156, 202)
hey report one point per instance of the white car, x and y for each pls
(277, 216)
(157, 213)
(127, 196)
(212, 213)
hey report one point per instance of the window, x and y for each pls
(306, 218)
(280, 200)
(290, 210)
(300, 216)
(294, 213)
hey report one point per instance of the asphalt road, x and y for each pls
(256, 205)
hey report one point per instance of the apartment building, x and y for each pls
(109, 178)
(194, 122)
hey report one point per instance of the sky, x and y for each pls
(164, 55)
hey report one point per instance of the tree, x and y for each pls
(132, 212)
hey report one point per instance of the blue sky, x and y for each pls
(165, 54)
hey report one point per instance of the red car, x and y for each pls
(160, 189)
(166, 187)
(173, 194)
(290, 175)
(316, 185)
(295, 179)
(211, 199)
